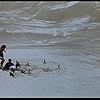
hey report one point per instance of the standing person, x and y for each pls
(2, 49)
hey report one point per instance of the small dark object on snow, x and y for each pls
(27, 64)
(11, 74)
(29, 71)
(23, 71)
(44, 61)
(59, 67)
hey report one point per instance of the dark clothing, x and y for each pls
(12, 74)
(13, 70)
(1, 53)
(2, 56)
(18, 65)
(2, 61)
(8, 65)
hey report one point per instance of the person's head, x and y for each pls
(3, 47)
(17, 62)
(9, 60)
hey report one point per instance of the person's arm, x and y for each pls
(12, 64)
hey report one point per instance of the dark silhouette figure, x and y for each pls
(18, 66)
(8, 65)
(44, 61)
(2, 49)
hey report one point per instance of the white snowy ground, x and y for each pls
(79, 75)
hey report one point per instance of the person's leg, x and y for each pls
(2, 62)
(11, 74)
(13, 70)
